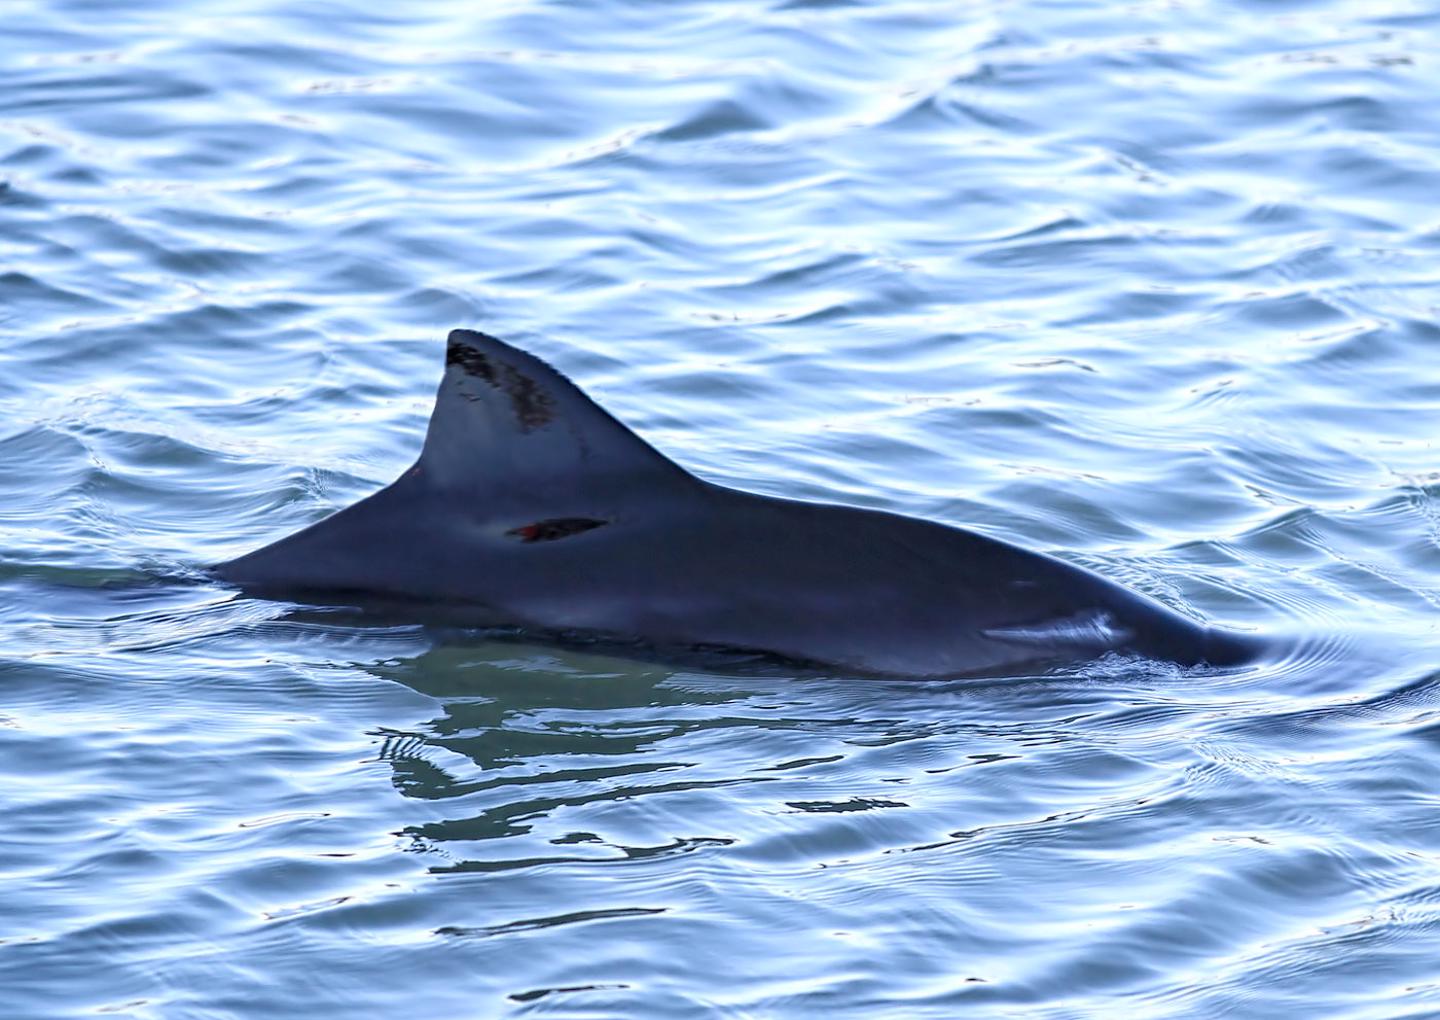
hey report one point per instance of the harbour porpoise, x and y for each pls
(530, 507)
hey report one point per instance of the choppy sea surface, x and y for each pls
(1154, 286)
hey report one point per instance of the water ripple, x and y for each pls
(1147, 287)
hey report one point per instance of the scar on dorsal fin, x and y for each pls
(555, 527)
(511, 428)
(531, 405)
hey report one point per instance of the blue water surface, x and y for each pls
(1153, 286)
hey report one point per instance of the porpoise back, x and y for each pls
(532, 507)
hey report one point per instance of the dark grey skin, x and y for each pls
(532, 507)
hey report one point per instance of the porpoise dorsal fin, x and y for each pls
(514, 431)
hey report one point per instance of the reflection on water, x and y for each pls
(605, 831)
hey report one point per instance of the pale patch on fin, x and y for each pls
(510, 430)
(1092, 629)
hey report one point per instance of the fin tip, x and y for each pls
(461, 335)
(472, 338)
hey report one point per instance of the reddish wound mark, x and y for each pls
(555, 527)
